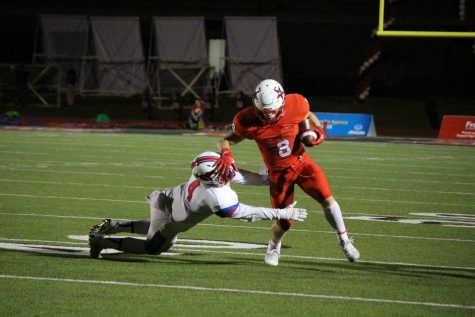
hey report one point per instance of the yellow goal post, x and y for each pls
(382, 32)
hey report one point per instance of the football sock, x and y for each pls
(273, 245)
(335, 218)
(140, 227)
(127, 245)
(277, 233)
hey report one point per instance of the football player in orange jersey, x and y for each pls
(273, 122)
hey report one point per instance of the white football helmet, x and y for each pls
(269, 99)
(203, 167)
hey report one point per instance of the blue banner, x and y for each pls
(347, 124)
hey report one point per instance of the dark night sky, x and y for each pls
(321, 42)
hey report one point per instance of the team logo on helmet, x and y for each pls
(279, 91)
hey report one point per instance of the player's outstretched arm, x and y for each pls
(245, 177)
(229, 140)
(252, 214)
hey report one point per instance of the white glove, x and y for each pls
(290, 212)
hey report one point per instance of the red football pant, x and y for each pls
(307, 175)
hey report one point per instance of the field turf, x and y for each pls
(410, 209)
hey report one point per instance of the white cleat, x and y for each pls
(352, 254)
(273, 253)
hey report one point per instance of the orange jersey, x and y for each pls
(277, 142)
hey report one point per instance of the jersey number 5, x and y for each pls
(284, 148)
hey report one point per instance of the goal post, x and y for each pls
(393, 33)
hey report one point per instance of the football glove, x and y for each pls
(225, 162)
(321, 136)
(292, 213)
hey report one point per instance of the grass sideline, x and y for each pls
(392, 116)
(417, 253)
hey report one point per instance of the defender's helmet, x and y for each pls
(269, 98)
(203, 167)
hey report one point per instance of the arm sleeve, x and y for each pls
(250, 178)
(252, 214)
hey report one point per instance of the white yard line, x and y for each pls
(148, 187)
(403, 190)
(75, 184)
(399, 171)
(73, 198)
(55, 216)
(248, 227)
(234, 290)
(410, 202)
(84, 252)
(403, 180)
(429, 266)
(366, 178)
(373, 161)
(47, 170)
(244, 158)
(405, 201)
(42, 241)
(352, 233)
(164, 141)
(156, 164)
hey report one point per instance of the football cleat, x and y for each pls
(352, 254)
(95, 247)
(272, 255)
(102, 229)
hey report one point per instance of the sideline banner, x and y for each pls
(457, 127)
(347, 124)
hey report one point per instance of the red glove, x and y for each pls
(225, 162)
(321, 136)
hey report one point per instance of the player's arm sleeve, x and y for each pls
(226, 205)
(250, 178)
(252, 214)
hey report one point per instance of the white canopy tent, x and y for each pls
(253, 52)
(117, 61)
(61, 40)
(178, 58)
(98, 55)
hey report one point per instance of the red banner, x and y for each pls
(457, 127)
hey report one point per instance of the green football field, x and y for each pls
(410, 209)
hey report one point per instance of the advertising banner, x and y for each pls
(347, 124)
(457, 127)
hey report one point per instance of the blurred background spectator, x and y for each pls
(196, 116)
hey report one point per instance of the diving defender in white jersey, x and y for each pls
(177, 209)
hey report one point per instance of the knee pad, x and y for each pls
(284, 224)
(154, 245)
